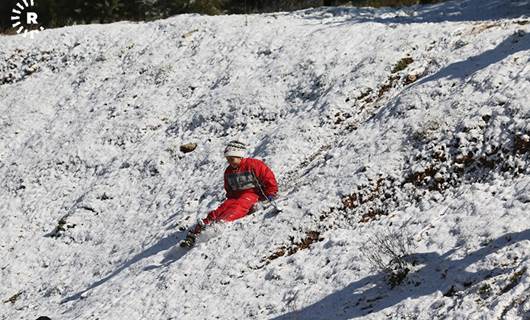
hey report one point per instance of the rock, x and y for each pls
(459, 44)
(410, 78)
(188, 147)
(522, 143)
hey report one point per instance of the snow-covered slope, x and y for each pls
(375, 121)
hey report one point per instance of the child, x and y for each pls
(246, 181)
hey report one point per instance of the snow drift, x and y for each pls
(375, 120)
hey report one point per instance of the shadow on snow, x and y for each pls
(439, 273)
(465, 68)
(169, 242)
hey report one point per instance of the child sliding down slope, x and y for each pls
(246, 181)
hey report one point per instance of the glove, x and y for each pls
(271, 198)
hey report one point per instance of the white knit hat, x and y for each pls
(235, 149)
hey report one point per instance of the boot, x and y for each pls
(192, 236)
(189, 241)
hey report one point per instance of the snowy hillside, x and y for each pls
(376, 121)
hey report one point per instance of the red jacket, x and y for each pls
(244, 179)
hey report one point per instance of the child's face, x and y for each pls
(233, 161)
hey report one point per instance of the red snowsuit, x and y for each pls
(242, 190)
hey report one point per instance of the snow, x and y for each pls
(95, 191)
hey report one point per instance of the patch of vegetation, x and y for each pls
(472, 152)
(367, 196)
(310, 238)
(369, 201)
(389, 252)
(13, 298)
(365, 94)
(391, 3)
(402, 64)
(513, 281)
(522, 22)
(442, 157)
(485, 291)
(62, 226)
(389, 84)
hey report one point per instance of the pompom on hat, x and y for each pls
(235, 149)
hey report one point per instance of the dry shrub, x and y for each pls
(389, 252)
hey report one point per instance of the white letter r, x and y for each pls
(32, 18)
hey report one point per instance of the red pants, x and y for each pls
(233, 208)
